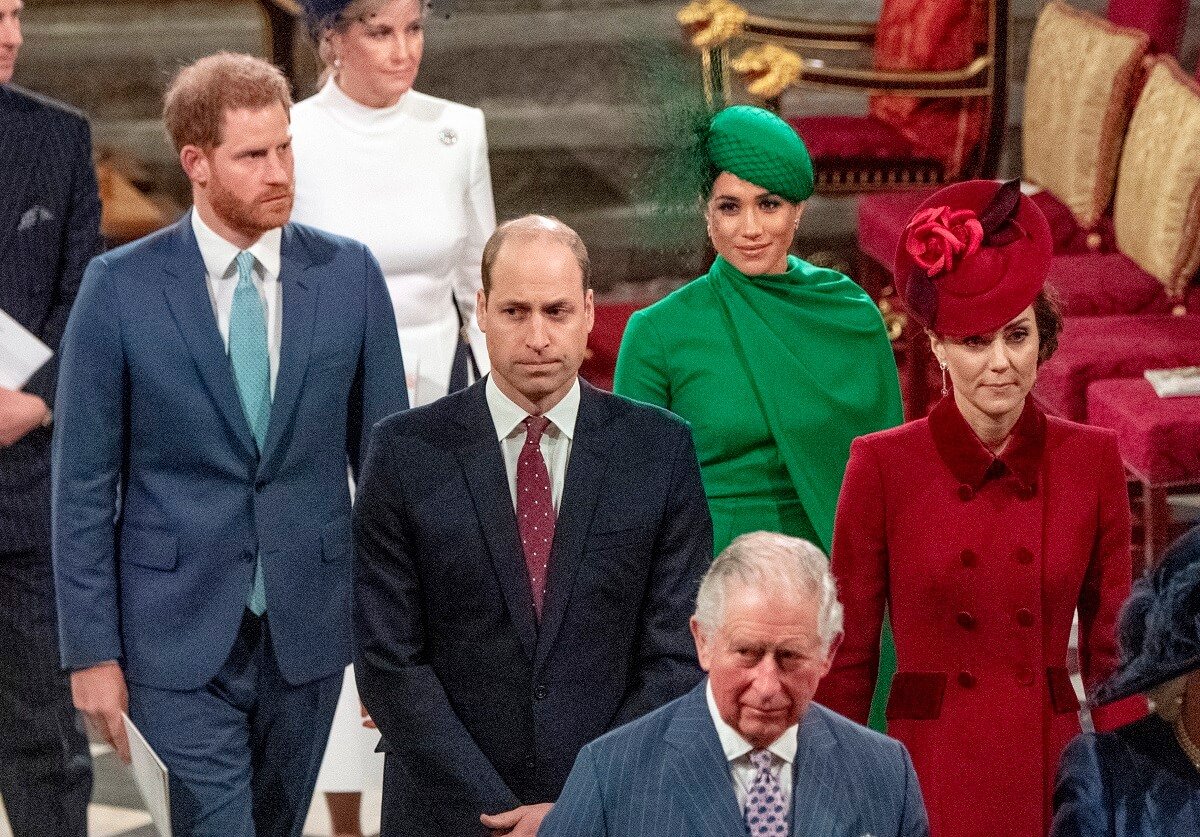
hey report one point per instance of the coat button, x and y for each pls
(1025, 617)
(530, 763)
(1026, 492)
(969, 558)
(247, 555)
(965, 619)
(966, 679)
(1024, 676)
(1023, 555)
(540, 692)
(965, 492)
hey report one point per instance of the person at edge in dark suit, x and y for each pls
(1143, 779)
(748, 752)
(216, 377)
(49, 230)
(528, 552)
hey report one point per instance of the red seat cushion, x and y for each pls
(1097, 348)
(842, 138)
(1159, 437)
(605, 341)
(881, 221)
(1106, 283)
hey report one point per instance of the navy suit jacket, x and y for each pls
(482, 708)
(49, 230)
(666, 775)
(161, 500)
(1132, 782)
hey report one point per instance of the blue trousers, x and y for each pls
(243, 752)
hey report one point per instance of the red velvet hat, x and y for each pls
(973, 257)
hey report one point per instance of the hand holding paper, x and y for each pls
(20, 413)
(100, 694)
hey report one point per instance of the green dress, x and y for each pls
(776, 374)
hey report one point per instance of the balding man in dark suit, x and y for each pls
(49, 229)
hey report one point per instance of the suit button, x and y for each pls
(1023, 555)
(1024, 676)
(965, 492)
(540, 693)
(1025, 617)
(259, 486)
(969, 558)
(966, 679)
(965, 619)
(530, 763)
(248, 555)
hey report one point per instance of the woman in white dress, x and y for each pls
(406, 174)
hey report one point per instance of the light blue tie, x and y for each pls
(252, 371)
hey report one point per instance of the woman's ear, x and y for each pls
(938, 346)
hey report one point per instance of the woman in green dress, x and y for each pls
(776, 363)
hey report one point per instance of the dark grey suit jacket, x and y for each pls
(666, 775)
(480, 707)
(49, 230)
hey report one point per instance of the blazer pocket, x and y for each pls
(629, 536)
(336, 541)
(150, 548)
(916, 696)
(1062, 692)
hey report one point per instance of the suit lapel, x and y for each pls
(487, 481)
(299, 319)
(187, 296)
(818, 798)
(585, 472)
(20, 154)
(699, 771)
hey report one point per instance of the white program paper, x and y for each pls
(150, 776)
(21, 354)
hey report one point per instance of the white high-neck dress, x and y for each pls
(412, 182)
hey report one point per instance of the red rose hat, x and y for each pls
(973, 257)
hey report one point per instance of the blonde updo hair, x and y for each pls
(320, 30)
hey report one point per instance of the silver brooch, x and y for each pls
(448, 136)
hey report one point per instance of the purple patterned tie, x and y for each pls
(535, 508)
(765, 814)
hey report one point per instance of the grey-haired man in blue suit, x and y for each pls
(747, 752)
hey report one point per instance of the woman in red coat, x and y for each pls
(983, 528)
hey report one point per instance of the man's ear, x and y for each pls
(834, 645)
(195, 164)
(703, 649)
(481, 309)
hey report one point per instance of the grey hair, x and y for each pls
(775, 562)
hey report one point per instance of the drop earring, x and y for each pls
(945, 388)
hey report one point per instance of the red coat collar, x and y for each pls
(969, 459)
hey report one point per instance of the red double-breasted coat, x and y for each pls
(982, 561)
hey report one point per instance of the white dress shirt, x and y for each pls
(222, 278)
(556, 440)
(737, 752)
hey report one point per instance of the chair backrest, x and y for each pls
(1162, 20)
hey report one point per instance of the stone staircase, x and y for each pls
(562, 82)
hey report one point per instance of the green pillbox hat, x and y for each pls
(759, 147)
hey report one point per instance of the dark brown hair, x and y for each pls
(535, 226)
(1047, 313)
(195, 103)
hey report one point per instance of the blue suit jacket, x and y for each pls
(481, 707)
(666, 775)
(161, 500)
(49, 230)
(1132, 782)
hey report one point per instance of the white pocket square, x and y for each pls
(34, 215)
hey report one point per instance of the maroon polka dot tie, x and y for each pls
(535, 508)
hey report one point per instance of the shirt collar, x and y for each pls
(218, 254)
(970, 460)
(507, 416)
(736, 747)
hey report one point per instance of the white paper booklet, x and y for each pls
(150, 776)
(21, 354)
(1170, 383)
